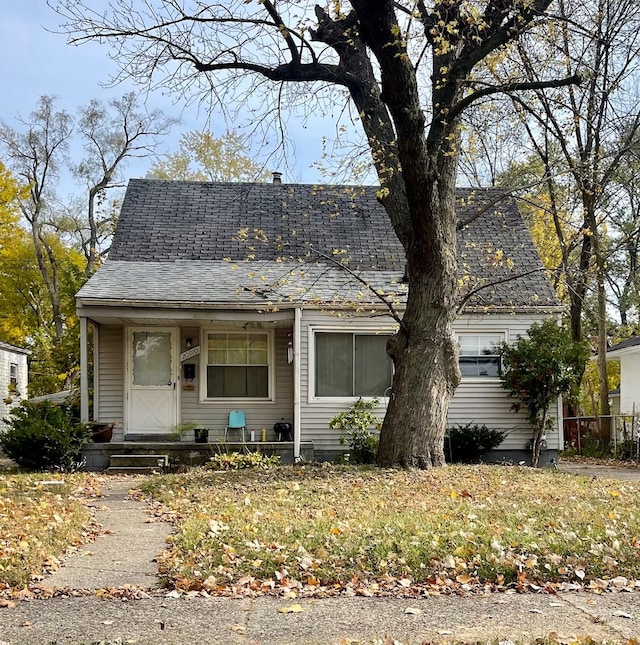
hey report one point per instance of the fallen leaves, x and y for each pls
(40, 519)
(311, 531)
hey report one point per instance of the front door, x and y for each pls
(151, 375)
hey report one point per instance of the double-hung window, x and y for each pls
(351, 364)
(480, 354)
(238, 365)
(13, 376)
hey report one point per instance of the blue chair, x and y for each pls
(237, 421)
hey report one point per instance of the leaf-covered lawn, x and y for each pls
(38, 522)
(315, 529)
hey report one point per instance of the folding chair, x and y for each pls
(237, 421)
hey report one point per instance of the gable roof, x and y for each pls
(630, 344)
(14, 348)
(188, 243)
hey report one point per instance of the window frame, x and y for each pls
(13, 375)
(312, 366)
(472, 333)
(204, 364)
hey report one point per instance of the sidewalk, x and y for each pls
(125, 557)
(613, 618)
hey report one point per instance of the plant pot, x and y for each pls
(101, 432)
(202, 435)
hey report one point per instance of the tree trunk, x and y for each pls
(424, 351)
(603, 381)
(425, 379)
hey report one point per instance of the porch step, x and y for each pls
(137, 463)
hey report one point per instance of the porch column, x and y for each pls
(297, 317)
(84, 371)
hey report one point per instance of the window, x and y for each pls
(13, 375)
(480, 354)
(238, 365)
(352, 364)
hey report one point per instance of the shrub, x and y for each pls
(356, 421)
(239, 461)
(43, 436)
(626, 450)
(469, 442)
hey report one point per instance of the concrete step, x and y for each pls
(133, 470)
(152, 462)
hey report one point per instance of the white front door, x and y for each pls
(151, 380)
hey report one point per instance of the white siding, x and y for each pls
(7, 357)
(481, 401)
(630, 382)
(210, 414)
(110, 378)
(259, 414)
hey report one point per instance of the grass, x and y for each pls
(38, 521)
(460, 526)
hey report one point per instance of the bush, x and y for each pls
(469, 442)
(626, 450)
(240, 461)
(43, 436)
(356, 421)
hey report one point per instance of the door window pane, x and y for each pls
(152, 358)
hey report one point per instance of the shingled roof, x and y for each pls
(628, 344)
(191, 242)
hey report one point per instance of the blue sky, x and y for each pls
(39, 62)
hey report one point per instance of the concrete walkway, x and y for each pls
(601, 470)
(125, 555)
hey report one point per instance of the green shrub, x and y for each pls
(356, 421)
(239, 461)
(626, 450)
(469, 442)
(43, 436)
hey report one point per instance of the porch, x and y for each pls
(172, 456)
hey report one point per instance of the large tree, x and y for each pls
(583, 136)
(410, 68)
(42, 252)
(203, 157)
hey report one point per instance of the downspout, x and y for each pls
(297, 319)
(84, 371)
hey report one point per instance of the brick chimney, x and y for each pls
(277, 177)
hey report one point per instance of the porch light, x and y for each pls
(189, 342)
(290, 349)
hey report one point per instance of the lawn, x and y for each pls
(308, 529)
(40, 517)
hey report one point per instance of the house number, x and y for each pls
(190, 353)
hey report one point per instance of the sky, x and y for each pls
(39, 62)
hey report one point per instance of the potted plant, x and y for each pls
(201, 434)
(101, 432)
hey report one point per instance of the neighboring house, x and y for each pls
(628, 394)
(225, 296)
(14, 376)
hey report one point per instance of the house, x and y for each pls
(274, 298)
(627, 397)
(14, 376)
